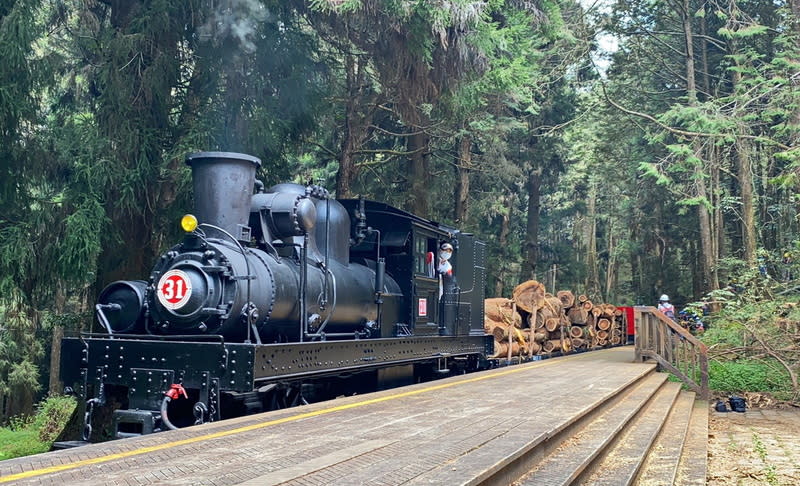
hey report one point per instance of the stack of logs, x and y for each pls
(535, 322)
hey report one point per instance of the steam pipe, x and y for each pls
(319, 332)
(380, 274)
(303, 285)
(324, 302)
(101, 316)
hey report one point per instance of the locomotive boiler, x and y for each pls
(276, 297)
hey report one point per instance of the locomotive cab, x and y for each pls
(439, 304)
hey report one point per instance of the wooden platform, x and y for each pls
(591, 418)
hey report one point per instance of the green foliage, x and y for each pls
(19, 443)
(34, 434)
(744, 32)
(747, 337)
(100, 104)
(52, 416)
(82, 244)
(749, 376)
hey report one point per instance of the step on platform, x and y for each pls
(592, 418)
(654, 434)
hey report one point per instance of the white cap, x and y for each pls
(664, 298)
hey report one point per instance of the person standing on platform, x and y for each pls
(665, 307)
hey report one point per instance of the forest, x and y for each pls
(622, 149)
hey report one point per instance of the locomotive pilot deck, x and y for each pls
(463, 429)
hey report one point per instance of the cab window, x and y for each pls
(424, 255)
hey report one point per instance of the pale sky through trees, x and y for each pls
(607, 43)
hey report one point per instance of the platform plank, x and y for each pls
(661, 465)
(622, 462)
(452, 431)
(569, 461)
(693, 466)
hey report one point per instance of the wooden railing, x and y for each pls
(672, 347)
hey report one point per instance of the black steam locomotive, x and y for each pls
(275, 298)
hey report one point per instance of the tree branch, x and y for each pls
(687, 133)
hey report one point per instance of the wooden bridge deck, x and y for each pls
(502, 426)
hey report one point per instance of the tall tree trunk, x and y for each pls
(590, 238)
(463, 168)
(532, 235)
(743, 166)
(745, 176)
(703, 216)
(706, 76)
(347, 167)
(697, 269)
(418, 173)
(716, 202)
(710, 281)
(55, 386)
(502, 242)
(611, 267)
(718, 222)
(635, 257)
(355, 126)
(691, 83)
(794, 6)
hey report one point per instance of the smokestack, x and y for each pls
(223, 189)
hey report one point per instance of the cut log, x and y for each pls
(533, 348)
(551, 345)
(602, 335)
(576, 331)
(603, 324)
(516, 334)
(587, 304)
(529, 295)
(608, 310)
(582, 298)
(489, 322)
(551, 308)
(566, 297)
(552, 323)
(578, 342)
(499, 331)
(539, 336)
(578, 315)
(500, 309)
(501, 349)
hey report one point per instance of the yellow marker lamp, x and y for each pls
(189, 223)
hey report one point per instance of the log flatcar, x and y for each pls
(275, 298)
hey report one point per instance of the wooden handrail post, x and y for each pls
(672, 347)
(638, 329)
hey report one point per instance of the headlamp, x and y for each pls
(188, 223)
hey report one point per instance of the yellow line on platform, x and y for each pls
(247, 428)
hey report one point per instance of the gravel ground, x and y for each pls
(757, 447)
